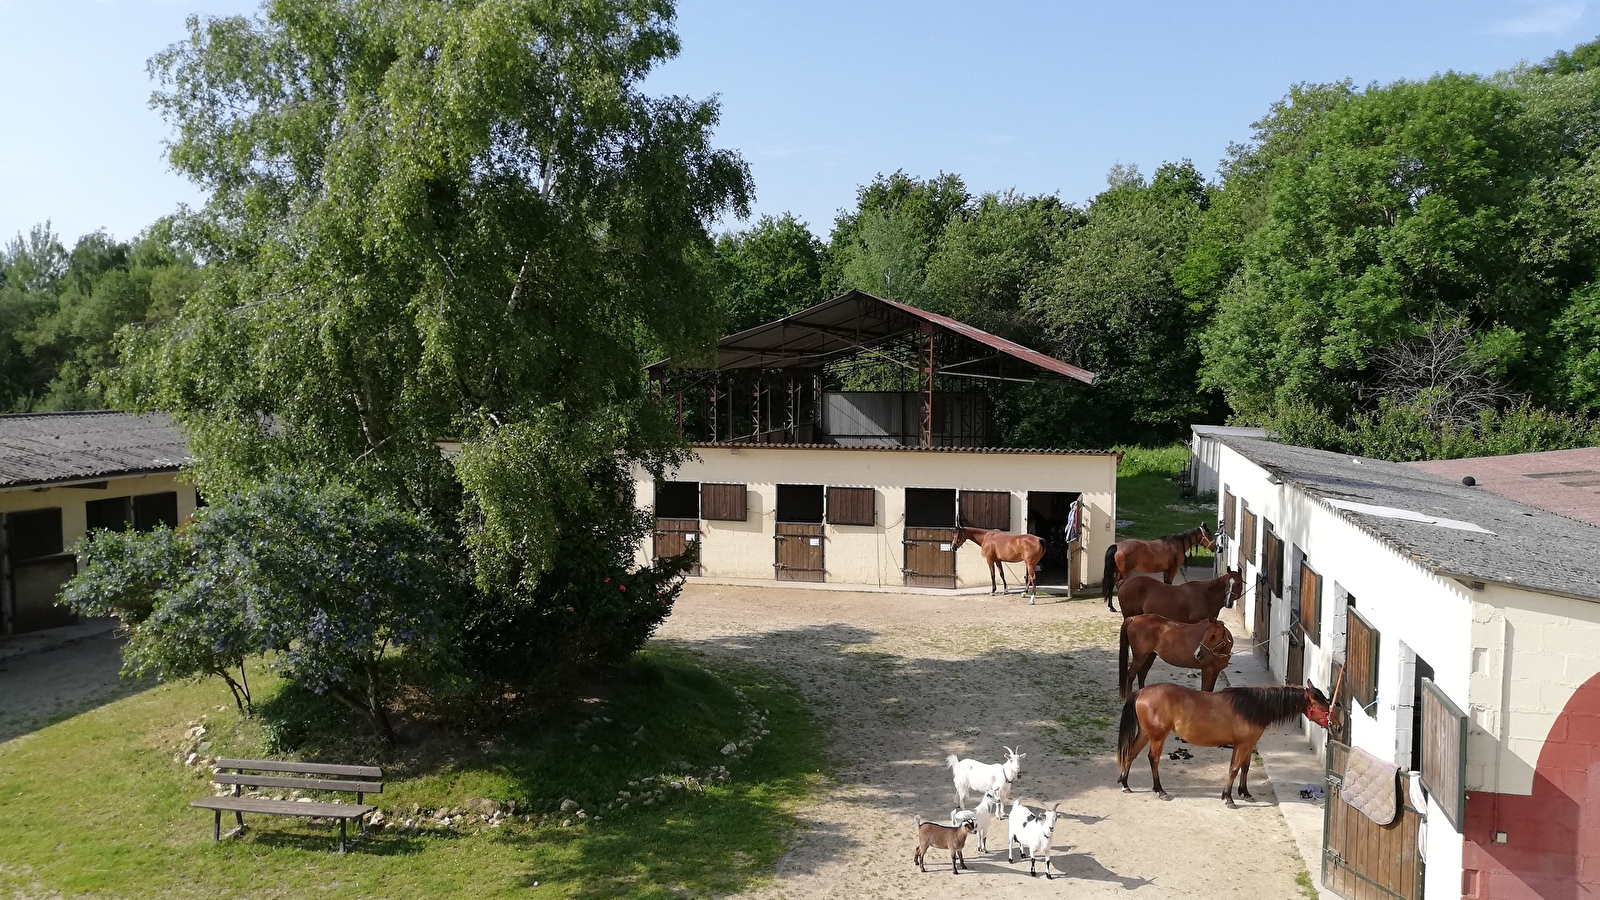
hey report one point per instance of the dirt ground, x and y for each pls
(903, 680)
(37, 689)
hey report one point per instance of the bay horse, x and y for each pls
(1164, 555)
(1193, 601)
(1002, 547)
(1235, 716)
(1206, 646)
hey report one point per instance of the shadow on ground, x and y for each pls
(40, 689)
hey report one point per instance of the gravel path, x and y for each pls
(39, 688)
(903, 680)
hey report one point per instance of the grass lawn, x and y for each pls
(1149, 500)
(99, 804)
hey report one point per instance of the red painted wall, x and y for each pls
(1552, 848)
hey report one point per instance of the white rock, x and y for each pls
(730, 749)
(569, 805)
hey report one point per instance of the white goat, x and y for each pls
(987, 810)
(973, 777)
(1031, 830)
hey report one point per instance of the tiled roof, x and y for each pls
(900, 448)
(46, 448)
(1560, 481)
(1520, 545)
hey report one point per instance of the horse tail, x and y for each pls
(1128, 733)
(1124, 677)
(1109, 580)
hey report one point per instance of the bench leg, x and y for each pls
(342, 823)
(240, 817)
(216, 826)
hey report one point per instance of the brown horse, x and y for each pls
(1164, 555)
(1235, 716)
(1001, 547)
(1192, 601)
(1206, 646)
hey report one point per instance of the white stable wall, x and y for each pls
(874, 555)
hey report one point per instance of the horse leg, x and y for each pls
(992, 586)
(1133, 754)
(1208, 678)
(1144, 670)
(1241, 758)
(1244, 774)
(1001, 565)
(1156, 743)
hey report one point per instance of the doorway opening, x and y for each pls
(1050, 516)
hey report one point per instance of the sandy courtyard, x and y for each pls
(902, 680)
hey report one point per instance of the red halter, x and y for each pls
(1318, 716)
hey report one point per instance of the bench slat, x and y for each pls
(313, 784)
(272, 765)
(285, 807)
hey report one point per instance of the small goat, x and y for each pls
(1031, 830)
(987, 810)
(945, 837)
(973, 777)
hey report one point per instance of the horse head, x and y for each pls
(1207, 539)
(1235, 586)
(1318, 706)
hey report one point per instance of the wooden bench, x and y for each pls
(360, 780)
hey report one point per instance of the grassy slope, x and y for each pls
(1148, 496)
(98, 804)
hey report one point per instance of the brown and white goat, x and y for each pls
(945, 837)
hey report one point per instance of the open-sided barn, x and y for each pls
(799, 477)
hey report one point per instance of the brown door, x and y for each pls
(797, 555)
(1361, 859)
(1295, 673)
(673, 536)
(1259, 637)
(930, 557)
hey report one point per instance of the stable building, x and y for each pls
(1462, 628)
(800, 475)
(63, 474)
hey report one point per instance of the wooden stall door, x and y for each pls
(930, 557)
(797, 553)
(673, 536)
(1260, 640)
(1360, 859)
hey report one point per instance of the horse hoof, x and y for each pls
(1232, 805)
(1164, 795)
(1246, 797)
(1127, 790)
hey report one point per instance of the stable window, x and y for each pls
(852, 506)
(800, 503)
(677, 499)
(151, 510)
(1310, 603)
(1228, 522)
(1361, 661)
(986, 509)
(1444, 752)
(724, 502)
(32, 534)
(930, 508)
(111, 514)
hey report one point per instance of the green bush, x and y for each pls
(1405, 432)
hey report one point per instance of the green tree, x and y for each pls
(767, 271)
(987, 260)
(438, 221)
(1109, 303)
(883, 245)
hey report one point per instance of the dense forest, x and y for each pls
(1406, 270)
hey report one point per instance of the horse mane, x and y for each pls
(1187, 538)
(1263, 706)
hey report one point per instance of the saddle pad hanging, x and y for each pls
(1371, 786)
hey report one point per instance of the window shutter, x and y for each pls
(852, 506)
(1228, 514)
(1311, 604)
(1247, 536)
(724, 502)
(1361, 661)
(1272, 558)
(1444, 752)
(986, 509)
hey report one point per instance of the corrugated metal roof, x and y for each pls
(1519, 545)
(895, 448)
(45, 448)
(1565, 482)
(856, 321)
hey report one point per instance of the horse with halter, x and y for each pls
(1207, 646)
(1164, 555)
(1194, 601)
(1000, 547)
(1235, 716)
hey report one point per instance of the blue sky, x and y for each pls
(821, 96)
